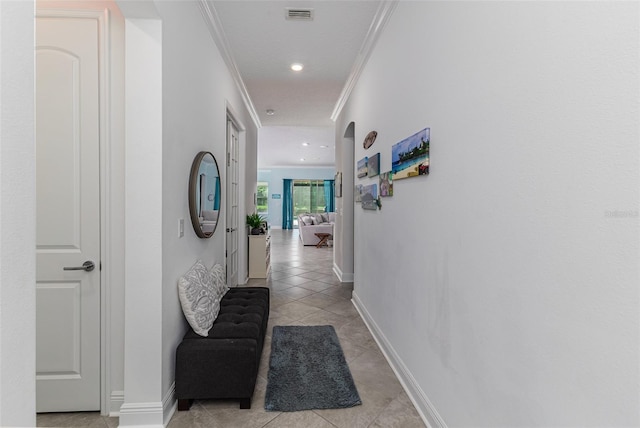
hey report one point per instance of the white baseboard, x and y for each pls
(423, 405)
(149, 415)
(342, 276)
(115, 402)
(169, 404)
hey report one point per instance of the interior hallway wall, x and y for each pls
(17, 215)
(343, 230)
(196, 88)
(504, 285)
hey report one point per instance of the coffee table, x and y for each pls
(324, 237)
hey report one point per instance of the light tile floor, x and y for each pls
(304, 291)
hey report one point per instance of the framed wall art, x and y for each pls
(362, 167)
(386, 184)
(410, 157)
(370, 197)
(358, 193)
(373, 165)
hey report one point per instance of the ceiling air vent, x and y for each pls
(298, 14)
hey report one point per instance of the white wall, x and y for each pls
(248, 170)
(274, 177)
(143, 239)
(195, 92)
(343, 229)
(250, 153)
(17, 215)
(196, 89)
(509, 291)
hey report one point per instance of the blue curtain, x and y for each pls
(328, 196)
(287, 203)
(216, 200)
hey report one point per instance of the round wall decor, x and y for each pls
(369, 139)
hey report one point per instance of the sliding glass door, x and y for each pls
(308, 197)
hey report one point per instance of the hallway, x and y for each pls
(304, 291)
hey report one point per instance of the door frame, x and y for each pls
(231, 115)
(104, 91)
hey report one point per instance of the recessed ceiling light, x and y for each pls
(302, 159)
(270, 112)
(305, 144)
(297, 67)
(324, 147)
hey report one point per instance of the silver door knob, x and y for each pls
(86, 266)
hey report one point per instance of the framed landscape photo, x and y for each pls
(373, 165)
(358, 193)
(410, 157)
(370, 197)
(362, 167)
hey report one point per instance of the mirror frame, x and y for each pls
(193, 183)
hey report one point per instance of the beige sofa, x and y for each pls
(208, 221)
(312, 223)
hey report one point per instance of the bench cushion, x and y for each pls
(243, 314)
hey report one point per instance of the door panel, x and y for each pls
(58, 348)
(68, 215)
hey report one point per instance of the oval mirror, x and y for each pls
(204, 194)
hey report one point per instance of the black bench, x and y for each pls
(225, 363)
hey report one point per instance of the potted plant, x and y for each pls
(254, 221)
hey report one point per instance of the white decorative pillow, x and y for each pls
(332, 217)
(325, 217)
(317, 218)
(307, 220)
(220, 287)
(200, 304)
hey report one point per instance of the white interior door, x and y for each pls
(232, 204)
(68, 215)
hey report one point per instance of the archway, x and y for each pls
(344, 234)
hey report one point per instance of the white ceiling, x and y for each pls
(263, 45)
(283, 146)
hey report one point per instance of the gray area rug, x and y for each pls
(307, 370)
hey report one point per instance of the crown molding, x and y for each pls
(214, 26)
(381, 18)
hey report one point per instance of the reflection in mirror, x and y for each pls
(204, 194)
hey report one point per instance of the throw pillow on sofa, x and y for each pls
(307, 220)
(325, 217)
(200, 304)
